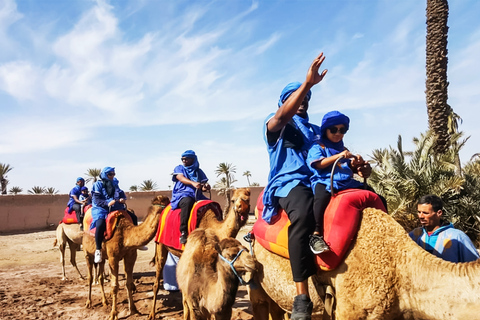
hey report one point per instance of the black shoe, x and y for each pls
(183, 237)
(302, 308)
(317, 244)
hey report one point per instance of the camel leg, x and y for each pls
(100, 272)
(90, 280)
(129, 263)
(114, 274)
(73, 256)
(161, 258)
(61, 246)
(263, 307)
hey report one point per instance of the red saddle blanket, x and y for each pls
(71, 217)
(168, 231)
(111, 221)
(341, 223)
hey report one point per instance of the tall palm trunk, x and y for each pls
(436, 65)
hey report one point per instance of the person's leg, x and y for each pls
(320, 203)
(299, 205)
(185, 205)
(78, 211)
(134, 217)
(100, 226)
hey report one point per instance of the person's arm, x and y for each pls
(286, 112)
(186, 181)
(328, 161)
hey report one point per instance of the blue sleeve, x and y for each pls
(178, 170)
(98, 197)
(202, 176)
(467, 251)
(315, 153)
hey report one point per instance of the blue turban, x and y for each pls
(105, 171)
(189, 154)
(80, 179)
(289, 89)
(334, 118)
(84, 188)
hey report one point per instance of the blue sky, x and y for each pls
(133, 84)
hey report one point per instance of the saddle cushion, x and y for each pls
(341, 223)
(69, 218)
(168, 231)
(111, 221)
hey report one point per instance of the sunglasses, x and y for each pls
(334, 130)
(111, 174)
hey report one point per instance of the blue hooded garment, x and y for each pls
(287, 165)
(193, 173)
(101, 197)
(343, 175)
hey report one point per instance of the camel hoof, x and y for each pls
(88, 305)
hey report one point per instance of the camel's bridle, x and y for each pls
(233, 268)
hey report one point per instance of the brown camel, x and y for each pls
(385, 276)
(236, 218)
(208, 282)
(69, 234)
(124, 243)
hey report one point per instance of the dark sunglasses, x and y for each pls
(184, 158)
(111, 174)
(334, 130)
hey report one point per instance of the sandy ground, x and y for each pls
(31, 285)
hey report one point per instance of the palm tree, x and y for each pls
(255, 184)
(148, 185)
(4, 169)
(436, 65)
(248, 175)
(37, 190)
(50, 191)
(226, 183)
(93, 175)
(15, 190)
(134, 188)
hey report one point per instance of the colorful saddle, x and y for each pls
(111, 221)
(341, 223)
(71, 217)
(168, 231)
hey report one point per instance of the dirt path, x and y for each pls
(31, 285)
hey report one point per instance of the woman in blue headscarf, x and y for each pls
(106, 197)
(321, 157)
(190, 181)
(288, 136)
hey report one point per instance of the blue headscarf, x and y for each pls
(289, 89)
(191, 170)
(80, 179)
(110, 185)
(330, 119)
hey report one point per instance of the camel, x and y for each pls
(385, 276)
(124, 243)
(69, 234)
(208, 283)
(236, 218)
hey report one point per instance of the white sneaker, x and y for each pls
(143, 248)
(98, 256)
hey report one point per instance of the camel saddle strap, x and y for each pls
(329, 303)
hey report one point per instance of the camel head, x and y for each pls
(243, 262)
(241, 205)
(161, 200)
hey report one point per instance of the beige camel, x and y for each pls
(69, 234)
(385, 276)
(208, 282)
(124, 243)
(236, 218)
